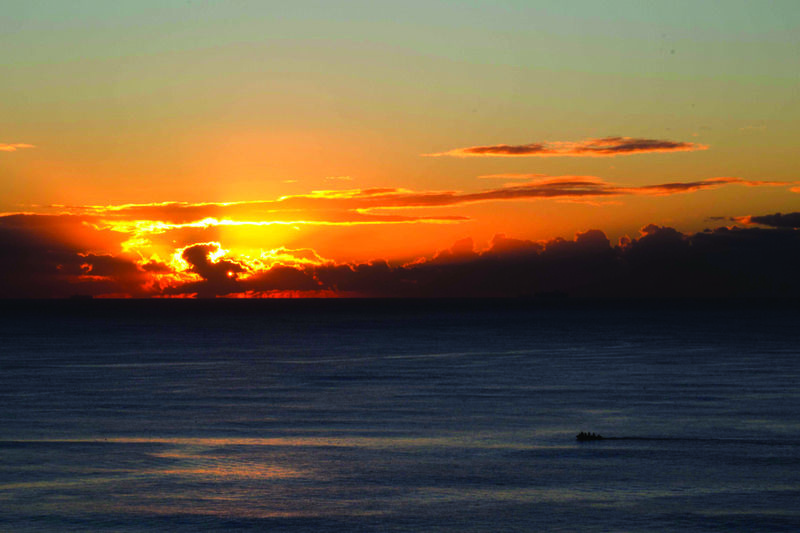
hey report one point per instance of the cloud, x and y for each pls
(42, 258)
(509, 247)
(359, 206)
(555, 187)
(338, 178)
(364, 206)
(374, 278)
(322, 208)
(665, 189)
(219, 276)
(662, 262)
(13, 147)
(155, 226)
(462, 251)
(281, 278)
(777, 220)
(605, 147)
(57, 256)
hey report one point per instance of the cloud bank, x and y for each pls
(58, 256)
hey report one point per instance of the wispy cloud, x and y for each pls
(338, 178)
(605, 147)
(665, 189)
(358, 206)
(13, 147)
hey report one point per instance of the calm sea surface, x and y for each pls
(399, 416)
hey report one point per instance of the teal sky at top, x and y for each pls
(720, 38)
(129, 78)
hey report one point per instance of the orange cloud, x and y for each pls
(605, 147)
(13, 147)
(555, 187)
(358, 206)
(335, 207)
(665, 189)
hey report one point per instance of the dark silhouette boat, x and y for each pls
(584, 436)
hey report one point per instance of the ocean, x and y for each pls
(395, 415)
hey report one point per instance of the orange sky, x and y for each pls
(314, 136)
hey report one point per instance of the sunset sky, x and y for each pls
(258, 148)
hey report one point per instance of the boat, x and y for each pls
(583, 436)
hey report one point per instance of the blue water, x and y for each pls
(399, 416)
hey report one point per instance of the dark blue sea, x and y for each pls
(385, 416)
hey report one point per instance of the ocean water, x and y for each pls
(362, 416)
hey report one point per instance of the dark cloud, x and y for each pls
(662, 262)
(462, 251)
(58, 256)
(777, 220)
(40, 258)
(366, 279)
(604, 147)
(532, 149)
(219, 276)
(222, 277)
(508, 247)
(281, 278)
(109, 266)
